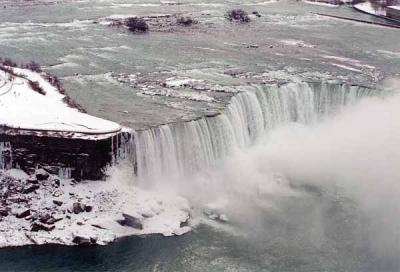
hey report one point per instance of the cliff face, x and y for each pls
(47, 144)
(67, 157)
(41, 127)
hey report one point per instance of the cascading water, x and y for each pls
(320, 175)
(5, 155)
(180, 149)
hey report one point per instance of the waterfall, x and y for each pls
(5, 155)
(179, 149)
(65, 172)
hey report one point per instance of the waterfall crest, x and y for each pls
(179, 149)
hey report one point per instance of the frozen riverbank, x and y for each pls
(43, 209)
(50, 141)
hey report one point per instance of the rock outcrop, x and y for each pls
(42, 127)
(83, 213)
(68, 157)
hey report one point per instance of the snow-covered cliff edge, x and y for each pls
(49, 148)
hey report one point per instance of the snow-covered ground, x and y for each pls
(52, 205)
(23, 108)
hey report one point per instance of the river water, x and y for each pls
(293, 202)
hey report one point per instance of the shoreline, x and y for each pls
(58, 183)
(69, 213)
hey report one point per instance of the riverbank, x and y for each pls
(48, 150)
(44, 209)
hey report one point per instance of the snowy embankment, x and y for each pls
(42, 208)
(28, 102)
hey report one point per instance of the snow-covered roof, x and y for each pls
(24, 109)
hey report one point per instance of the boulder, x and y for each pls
(78, 207)
(137, 25)
(38, 227)
(83, 241)
(130, 221)
(23, 213)
(54, 170)
(41, 174)
(238, 15)
(185, 20)
(31, 189)
(56, 183)
(3, 212)
(32, 180)
(47, 219)
(223, 218)
(57, 202)
(44, 218)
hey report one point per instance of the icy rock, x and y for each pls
(47, 219)
(223, 218)
(216, 215)
(31, 189)
(41, 174)
(54, 170)
(23, 213)
(3, 212)
(38, 227)
(182, 230)
(78, 207)
(83, 241)
(88, 208)
(130, 221)
(185, 20)
(32, 180)
(56, 182)
(147, 214)
(57, 202)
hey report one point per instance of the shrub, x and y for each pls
(9, 62)
(72, 103)
(36, 87)
(185, 20)
(137, 25)
(33, 66)
(238, 15)
(8, 70)
(53, 80)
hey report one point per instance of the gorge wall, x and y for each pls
(66, 157)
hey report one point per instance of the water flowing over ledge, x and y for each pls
(162, 155)
(180, 149)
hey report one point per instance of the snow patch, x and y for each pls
(298, 43)
(345, 67)
(25, 109)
